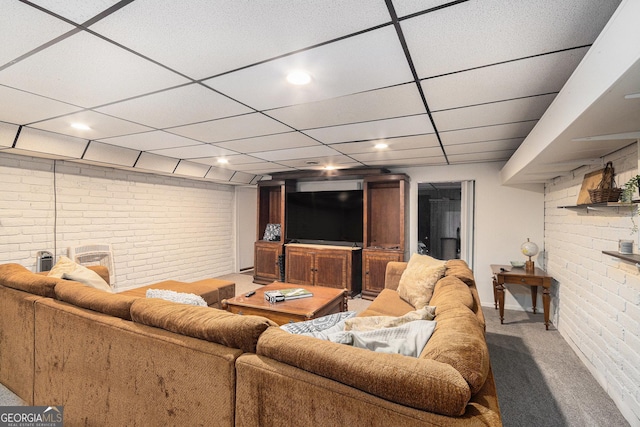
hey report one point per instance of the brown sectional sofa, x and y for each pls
(117, 359)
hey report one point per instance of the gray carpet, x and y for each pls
(540, 380)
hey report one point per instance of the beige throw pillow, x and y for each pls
(419, 278)
(369, 323)
(67, 269)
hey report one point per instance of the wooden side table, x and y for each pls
(503, 274)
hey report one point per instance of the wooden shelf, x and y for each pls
(635, 258)
(600, 206)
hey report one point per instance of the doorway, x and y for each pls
(445, 220)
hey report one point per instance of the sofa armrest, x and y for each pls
(393, 274)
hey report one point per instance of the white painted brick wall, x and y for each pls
(598, 296)
(160, 227)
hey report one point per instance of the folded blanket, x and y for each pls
(183, 298)
(408, 339)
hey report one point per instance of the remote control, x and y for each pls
(248, 294)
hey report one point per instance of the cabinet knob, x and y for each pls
(366, 272)
(522, 280)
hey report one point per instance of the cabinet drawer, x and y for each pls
(531, 281)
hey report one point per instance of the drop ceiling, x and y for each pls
(173, 87)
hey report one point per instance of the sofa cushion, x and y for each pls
(416, 382)
(16, 276)
(84, 296)
(451, 290)
(418, 280)
(461, 270)
(459, 341)
(369, 323)
(387, 303)
(70, 270)
(210, 324)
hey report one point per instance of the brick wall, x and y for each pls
(596, 300)
(159, 227)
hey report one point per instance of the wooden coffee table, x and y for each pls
(324, 301)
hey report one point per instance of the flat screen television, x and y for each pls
(324, 216)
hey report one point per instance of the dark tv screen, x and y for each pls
(331, 216)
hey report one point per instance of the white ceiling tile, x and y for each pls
(219, 174)
(7, 134)
(239, 127)
(261, 167)
(412, 161)
(298, 153)
(532, 76)
(88, 72)
(396, 101)
(479, 147)
(493, 114)
(491, 156)
(367, 61)
(27, 28)
(477, 33)
(193, 151)
(271, 142)
(191, 169)
(487, 133)
(404, 126)
(50, 143)
(24, 108)
(106, 153)
(145, 141)
(407, 7)
(102, 126)
(234, 161)
(401, 143)
(176, 107)
(316, 163)
(242, 177)
(78, 11)
(222, 36)
(398, 154)
(154, 162)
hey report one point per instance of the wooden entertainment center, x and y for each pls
(385, 231)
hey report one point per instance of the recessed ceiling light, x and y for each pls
(311, 162)
(329, 168)
(381, 146)
(298, 77)
(80, 126)
(223, 161)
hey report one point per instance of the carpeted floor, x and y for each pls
(540, 380)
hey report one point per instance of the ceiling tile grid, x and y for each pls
(173, 87)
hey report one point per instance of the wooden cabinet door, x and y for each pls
(374, 268)
(299, 266)
(266, 268)
(332, 269)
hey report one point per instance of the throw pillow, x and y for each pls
(317, 325)
(419, 278)
(179, 297)
(70, 270)
(369, 323)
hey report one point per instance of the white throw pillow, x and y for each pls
(179, 297)
(67, 269)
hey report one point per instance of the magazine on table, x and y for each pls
(286, 294)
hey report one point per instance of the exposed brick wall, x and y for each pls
(598, 297)
(159, 227)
